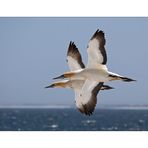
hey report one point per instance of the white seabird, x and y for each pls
(88, 81)
(74, 61)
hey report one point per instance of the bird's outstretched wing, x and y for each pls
(74, 58)
(86, 98)
(96, 51)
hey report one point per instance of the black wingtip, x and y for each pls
(88, 111)
(72, 44)
(97, 30)
(59, 77)
(98, 33)
(84, 110)
(72, 49)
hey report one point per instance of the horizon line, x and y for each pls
(107, 106)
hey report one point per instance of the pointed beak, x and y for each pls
(60, 77)
(50, 86)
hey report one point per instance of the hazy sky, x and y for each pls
(33, 51)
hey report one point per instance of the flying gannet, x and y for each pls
(74, 61)
(88, 81)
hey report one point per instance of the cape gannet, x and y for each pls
(75, 62)
(88, 81)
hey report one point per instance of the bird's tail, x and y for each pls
(106, 87)
(118, 77)
(126, 79)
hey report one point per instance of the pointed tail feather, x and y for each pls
(106, 87)
(118, 77)
(125, 79)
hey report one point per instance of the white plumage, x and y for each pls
(88, 81)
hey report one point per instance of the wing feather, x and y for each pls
(96, 50)
(86, 99)
(74, 58)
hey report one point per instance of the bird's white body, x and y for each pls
(99, 75)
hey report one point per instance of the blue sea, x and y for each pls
(71, 120)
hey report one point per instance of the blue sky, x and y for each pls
(33, 51)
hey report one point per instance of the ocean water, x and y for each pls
(72, 120)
